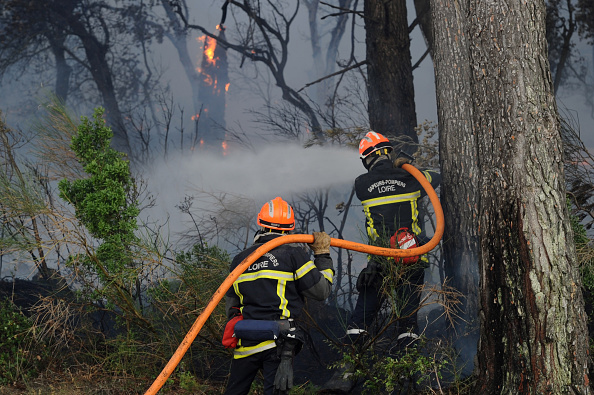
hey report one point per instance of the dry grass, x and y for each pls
(93, 383)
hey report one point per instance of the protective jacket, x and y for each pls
(389, 197)
(275, 285)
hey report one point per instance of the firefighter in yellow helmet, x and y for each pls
(268, 297)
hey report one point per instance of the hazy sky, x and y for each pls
(281, 170)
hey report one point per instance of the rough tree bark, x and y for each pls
(459, 167)
(391, 93)
(533, 324)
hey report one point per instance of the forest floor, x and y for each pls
(85, 384)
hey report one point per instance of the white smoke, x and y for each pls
(276, 170)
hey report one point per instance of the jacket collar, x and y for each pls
(262, 238)
(382, 165)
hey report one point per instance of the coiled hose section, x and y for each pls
(300, 238)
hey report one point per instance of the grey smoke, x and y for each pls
(249, 179)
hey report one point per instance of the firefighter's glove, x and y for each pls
(321, 244)
(398, 162)
(369, 277)
(283, 381)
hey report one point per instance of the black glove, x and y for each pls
(369, 277)
(283, 381)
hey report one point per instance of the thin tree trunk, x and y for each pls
(567, 36)
(96, 53)
(63, 70)
(389, 68)
(423, 9)
(179, 41)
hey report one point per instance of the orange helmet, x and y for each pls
(373, 142)
(277, 214)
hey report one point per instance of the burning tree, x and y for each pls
(213, 88)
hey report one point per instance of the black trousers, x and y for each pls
(370, 301)
(244, 370)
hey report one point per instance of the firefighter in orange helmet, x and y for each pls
(389, 195)
(269, 296)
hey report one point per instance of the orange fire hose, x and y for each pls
(299, 238)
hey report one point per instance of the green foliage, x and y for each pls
(101, 201)
(409, 368)
(127, 355)
(20, 358)
(188, 382)
(201, 258)
(584, 252)
(201, 272)
(580, 236)
(304, 389)
(585, 256)
(385, 370)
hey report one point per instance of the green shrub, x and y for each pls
(101, 201)
(20, 356)
(188, 382)
(383, 370)
(585, 255)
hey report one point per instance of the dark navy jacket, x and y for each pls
(389, 197)
(275, 285)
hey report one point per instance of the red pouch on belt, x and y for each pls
(405, 239)
(229, 339)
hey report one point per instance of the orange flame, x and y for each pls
(227, 86)
(210, 45)
(225, 146)
(207, 79)
(209, 49)
(195, 117)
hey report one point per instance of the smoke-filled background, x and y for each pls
(203, 119)
(210, 129)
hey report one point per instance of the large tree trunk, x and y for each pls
(389, 69)
(96, 56)
(533, 335)
(459, 167)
